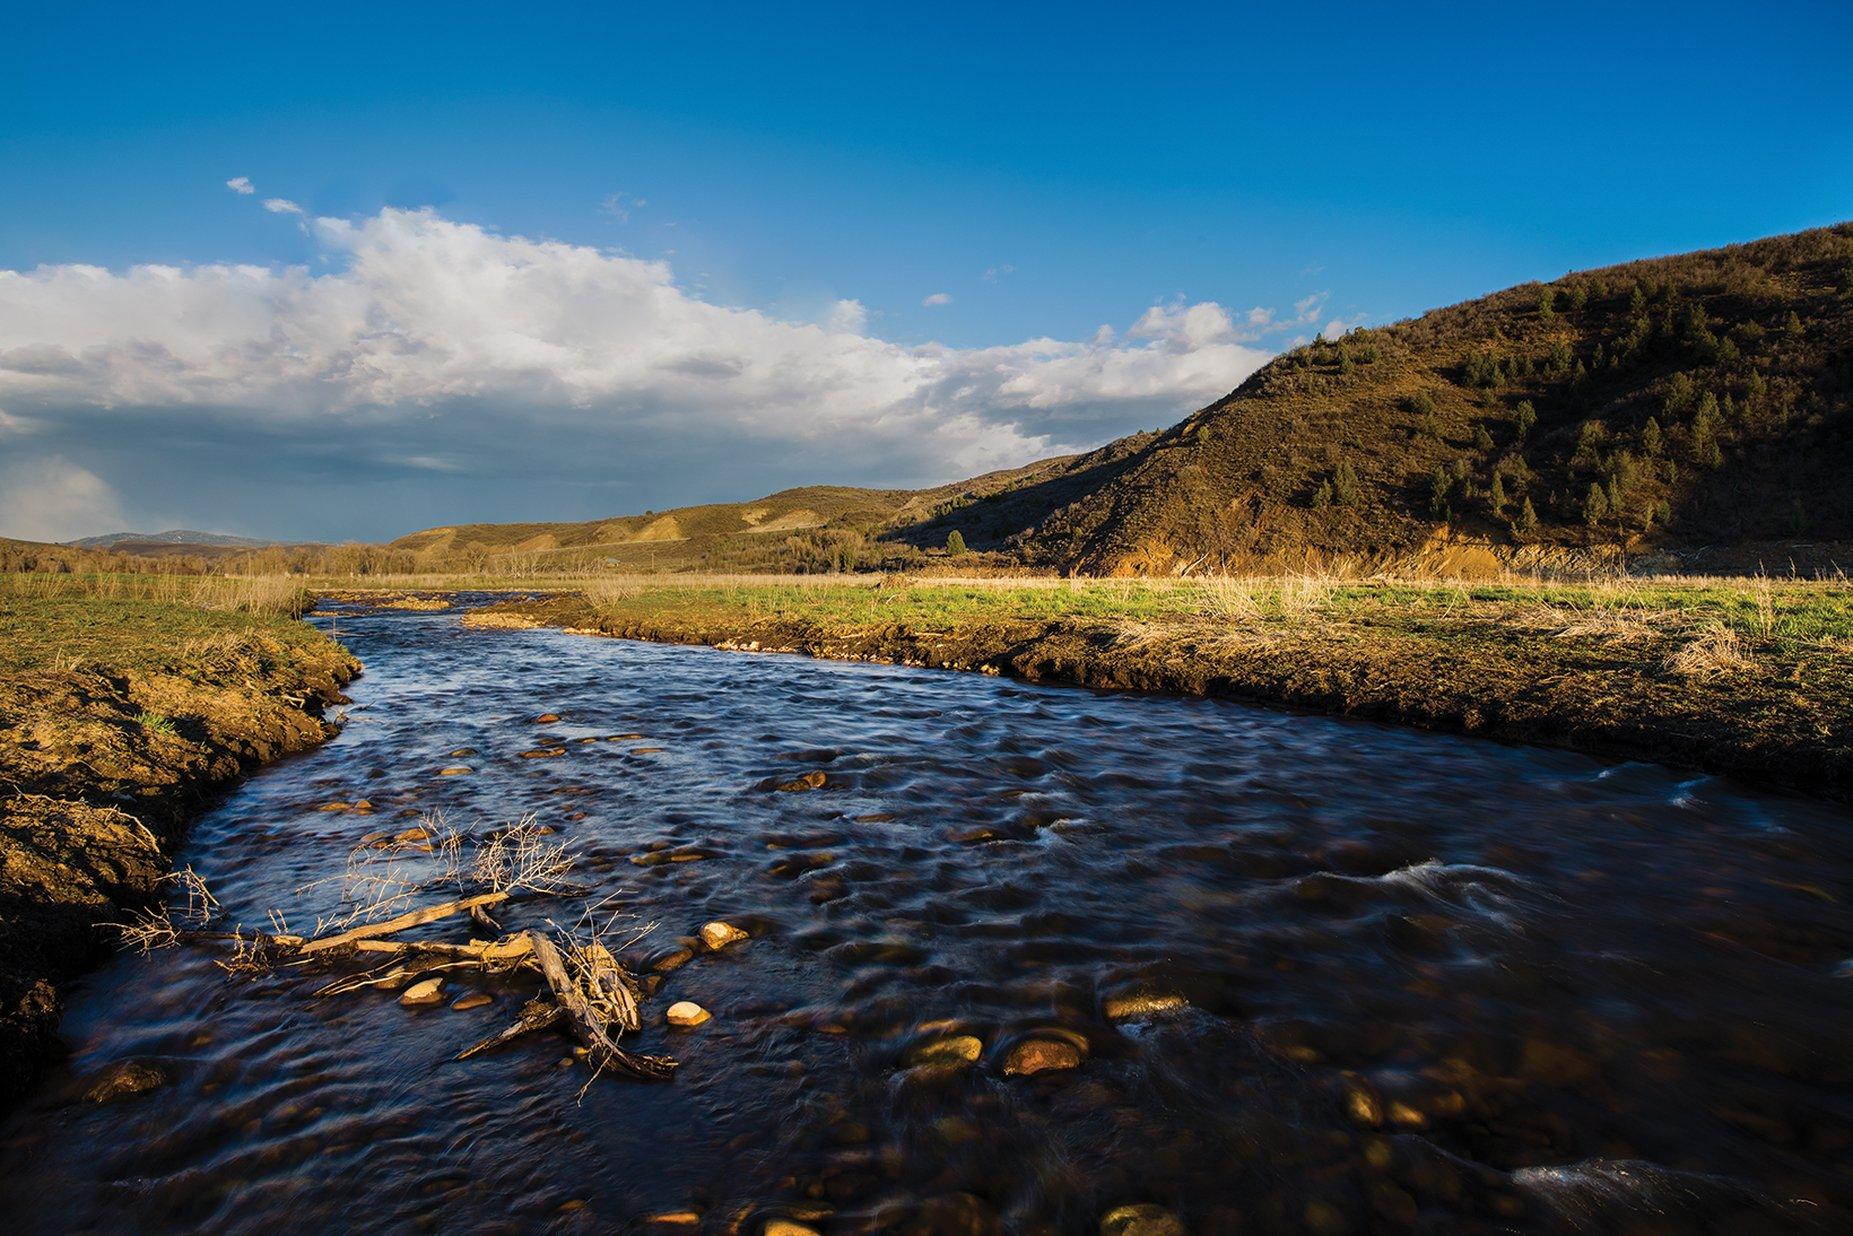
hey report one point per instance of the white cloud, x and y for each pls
(937, 299)
(281, 206)
(848, 317)
(995, 273)
(241, 185)
(52, 499)
(439, 347)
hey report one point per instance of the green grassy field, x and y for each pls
(155, 622)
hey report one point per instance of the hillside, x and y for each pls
(818, 527)
(177, 540)
(1670, 402)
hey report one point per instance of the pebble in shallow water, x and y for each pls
(126, 1078)
(719, 934)
(423, 994)
(686, 1014)
(1143, 1219)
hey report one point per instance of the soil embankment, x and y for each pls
(1505, 675)
(103, 762)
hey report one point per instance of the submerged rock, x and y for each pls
(673, 959)
(953, 1049)
(1045, 1053)
(809, 781)
(475, 1000)
(125, 1078)
(686, 1014)
(547, 718)
(718, 934)
(1143, 1004)
(456, 770)
(1143, 1219)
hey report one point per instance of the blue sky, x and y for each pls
(1046, 169)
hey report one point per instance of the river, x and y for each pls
(1415, 981)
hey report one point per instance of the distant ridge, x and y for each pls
(123, 541)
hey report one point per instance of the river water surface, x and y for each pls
(1418, 981)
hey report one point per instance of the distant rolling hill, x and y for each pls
(175, 541)
(820, 520)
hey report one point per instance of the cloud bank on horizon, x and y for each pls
(437, 370)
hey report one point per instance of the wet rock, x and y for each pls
(462, 752)
(645, 750)
(423, 994)
(813, 780)
(1362, 1104)
(686, 1014)
(415, 833)
(547, 718)
(624, 738)
(475, 1000)
(788, 1227)
(456, 770)
(1043, 1054)
(672, 1220)
(674, 959)
(1143, 1219)
(953, 1049)
(543, 753)
(1135, 1005)
(718, 935)
(125, 1078)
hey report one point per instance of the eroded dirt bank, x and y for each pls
(1784, 725)
(101, 766)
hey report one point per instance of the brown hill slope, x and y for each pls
(1673, 401)
(810, 528)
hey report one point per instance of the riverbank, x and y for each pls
(1750, 677)
(123, 707)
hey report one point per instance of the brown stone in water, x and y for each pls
(674, 959)
(475, 1000)
(718, 935)
(1143, 1219)
(1143, 1004)
(809, 781)
(457, 770)
(954, 1049)
(686, 1014)
(125, 1078)
(1042, 1055)
(543, 753)
(547, 718)
(674, 1219)
(423, 994)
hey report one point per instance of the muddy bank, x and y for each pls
(102, 766)
(1778, 725)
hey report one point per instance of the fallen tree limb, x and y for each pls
(588, 1024)
(536, 1014)
(392, 926)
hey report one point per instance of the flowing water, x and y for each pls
(1428, 982)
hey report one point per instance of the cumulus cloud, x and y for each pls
(937, 299)
(432, 349)
(52, 499)
(281, 206)
(241, 185)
